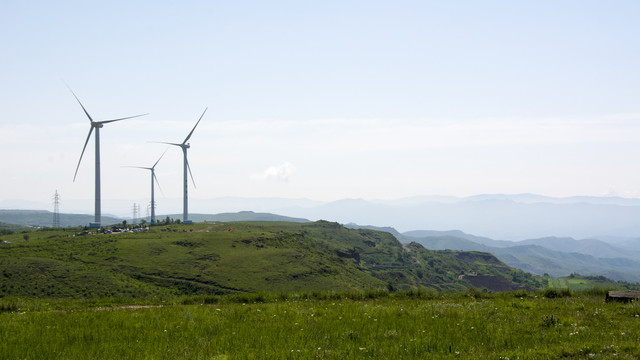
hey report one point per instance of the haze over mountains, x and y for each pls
(502, 217)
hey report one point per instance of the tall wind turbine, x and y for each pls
(153, 176)
(95, 125)
(184, 146)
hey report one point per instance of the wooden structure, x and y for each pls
(623, 296)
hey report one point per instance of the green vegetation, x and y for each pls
(239, 257)
(7, 229)
(578, 282)
(257, 290)
(375, 325)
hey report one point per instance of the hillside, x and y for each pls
(540, 256)
(233, 258)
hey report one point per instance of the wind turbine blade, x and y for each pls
(168, 143)
(136, 167)
(154, 165)
(85, 110)
(125, 118)
(188, 136)
(158, 182)
(189, 167)
(81, 154)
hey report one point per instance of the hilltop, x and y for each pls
(238, 257)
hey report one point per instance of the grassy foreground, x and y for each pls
(408, 325)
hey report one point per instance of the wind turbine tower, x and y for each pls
(184, 146)
(153, 177)
(97, 125)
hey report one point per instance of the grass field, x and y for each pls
(407, 325)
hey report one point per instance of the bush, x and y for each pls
(552, 293)
(8, 307)
(549, 321)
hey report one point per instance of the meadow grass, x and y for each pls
(408, 325)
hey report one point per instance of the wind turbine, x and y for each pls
(184, 146)
(95, 125)
(153, 176)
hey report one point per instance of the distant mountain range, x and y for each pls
(43, 218)
(497, 216)
(554, 256)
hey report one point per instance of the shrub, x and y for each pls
(552, 293)
(549, 321)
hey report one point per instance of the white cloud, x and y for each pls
(280, 172)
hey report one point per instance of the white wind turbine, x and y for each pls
(184, 146)
(95, 125)
(153, 176)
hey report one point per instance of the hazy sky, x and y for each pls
(322, 99)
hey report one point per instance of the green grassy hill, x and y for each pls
(234, 257)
